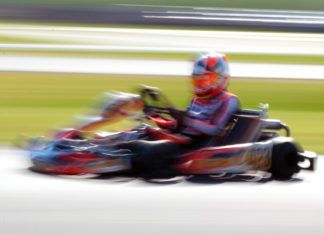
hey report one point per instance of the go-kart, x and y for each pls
(250, 143)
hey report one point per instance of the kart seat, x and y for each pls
(245, 129)
(242, 128)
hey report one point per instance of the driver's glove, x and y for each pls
(170, 124)
(176, 114)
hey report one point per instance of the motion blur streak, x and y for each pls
(237, 14)
(130, 14)
(153, 67)
(222, 9)
(299, 21)
(16, 29)
(168, 40)
(240, 15)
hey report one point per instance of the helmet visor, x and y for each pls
(204, 81)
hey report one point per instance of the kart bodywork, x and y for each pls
(251, 142)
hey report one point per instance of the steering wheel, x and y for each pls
(158, 108)
(155, 102)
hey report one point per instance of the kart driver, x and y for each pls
(210, 109)
(205, 119)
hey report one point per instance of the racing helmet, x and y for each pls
(210, 74)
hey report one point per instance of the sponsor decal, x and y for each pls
(216, 163)
(103, 164)
(259, 157)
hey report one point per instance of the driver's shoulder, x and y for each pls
(229, 95)
(230, 100)
(225, 96)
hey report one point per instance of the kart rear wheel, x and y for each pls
(284, 160)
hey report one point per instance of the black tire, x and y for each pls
(284, 160)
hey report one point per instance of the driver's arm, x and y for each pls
(162, 122)
(221, 119)
(158, 134)
(177, 114)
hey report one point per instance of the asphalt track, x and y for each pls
(130, 14)
(33, 203)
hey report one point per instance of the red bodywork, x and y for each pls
(207, 160)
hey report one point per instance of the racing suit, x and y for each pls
(209, 116)
(203, 118)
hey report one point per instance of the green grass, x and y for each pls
(6, 39)
(246, 58)
(32, 103)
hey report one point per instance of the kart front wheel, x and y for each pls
(284, 160)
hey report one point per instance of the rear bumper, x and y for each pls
(308, 160)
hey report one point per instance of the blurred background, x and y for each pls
(55, 57)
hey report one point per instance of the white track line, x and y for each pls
(238, 19)
(151, 67)
(255, 15)
(270, 11)
(166, 39)
(248, 49)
